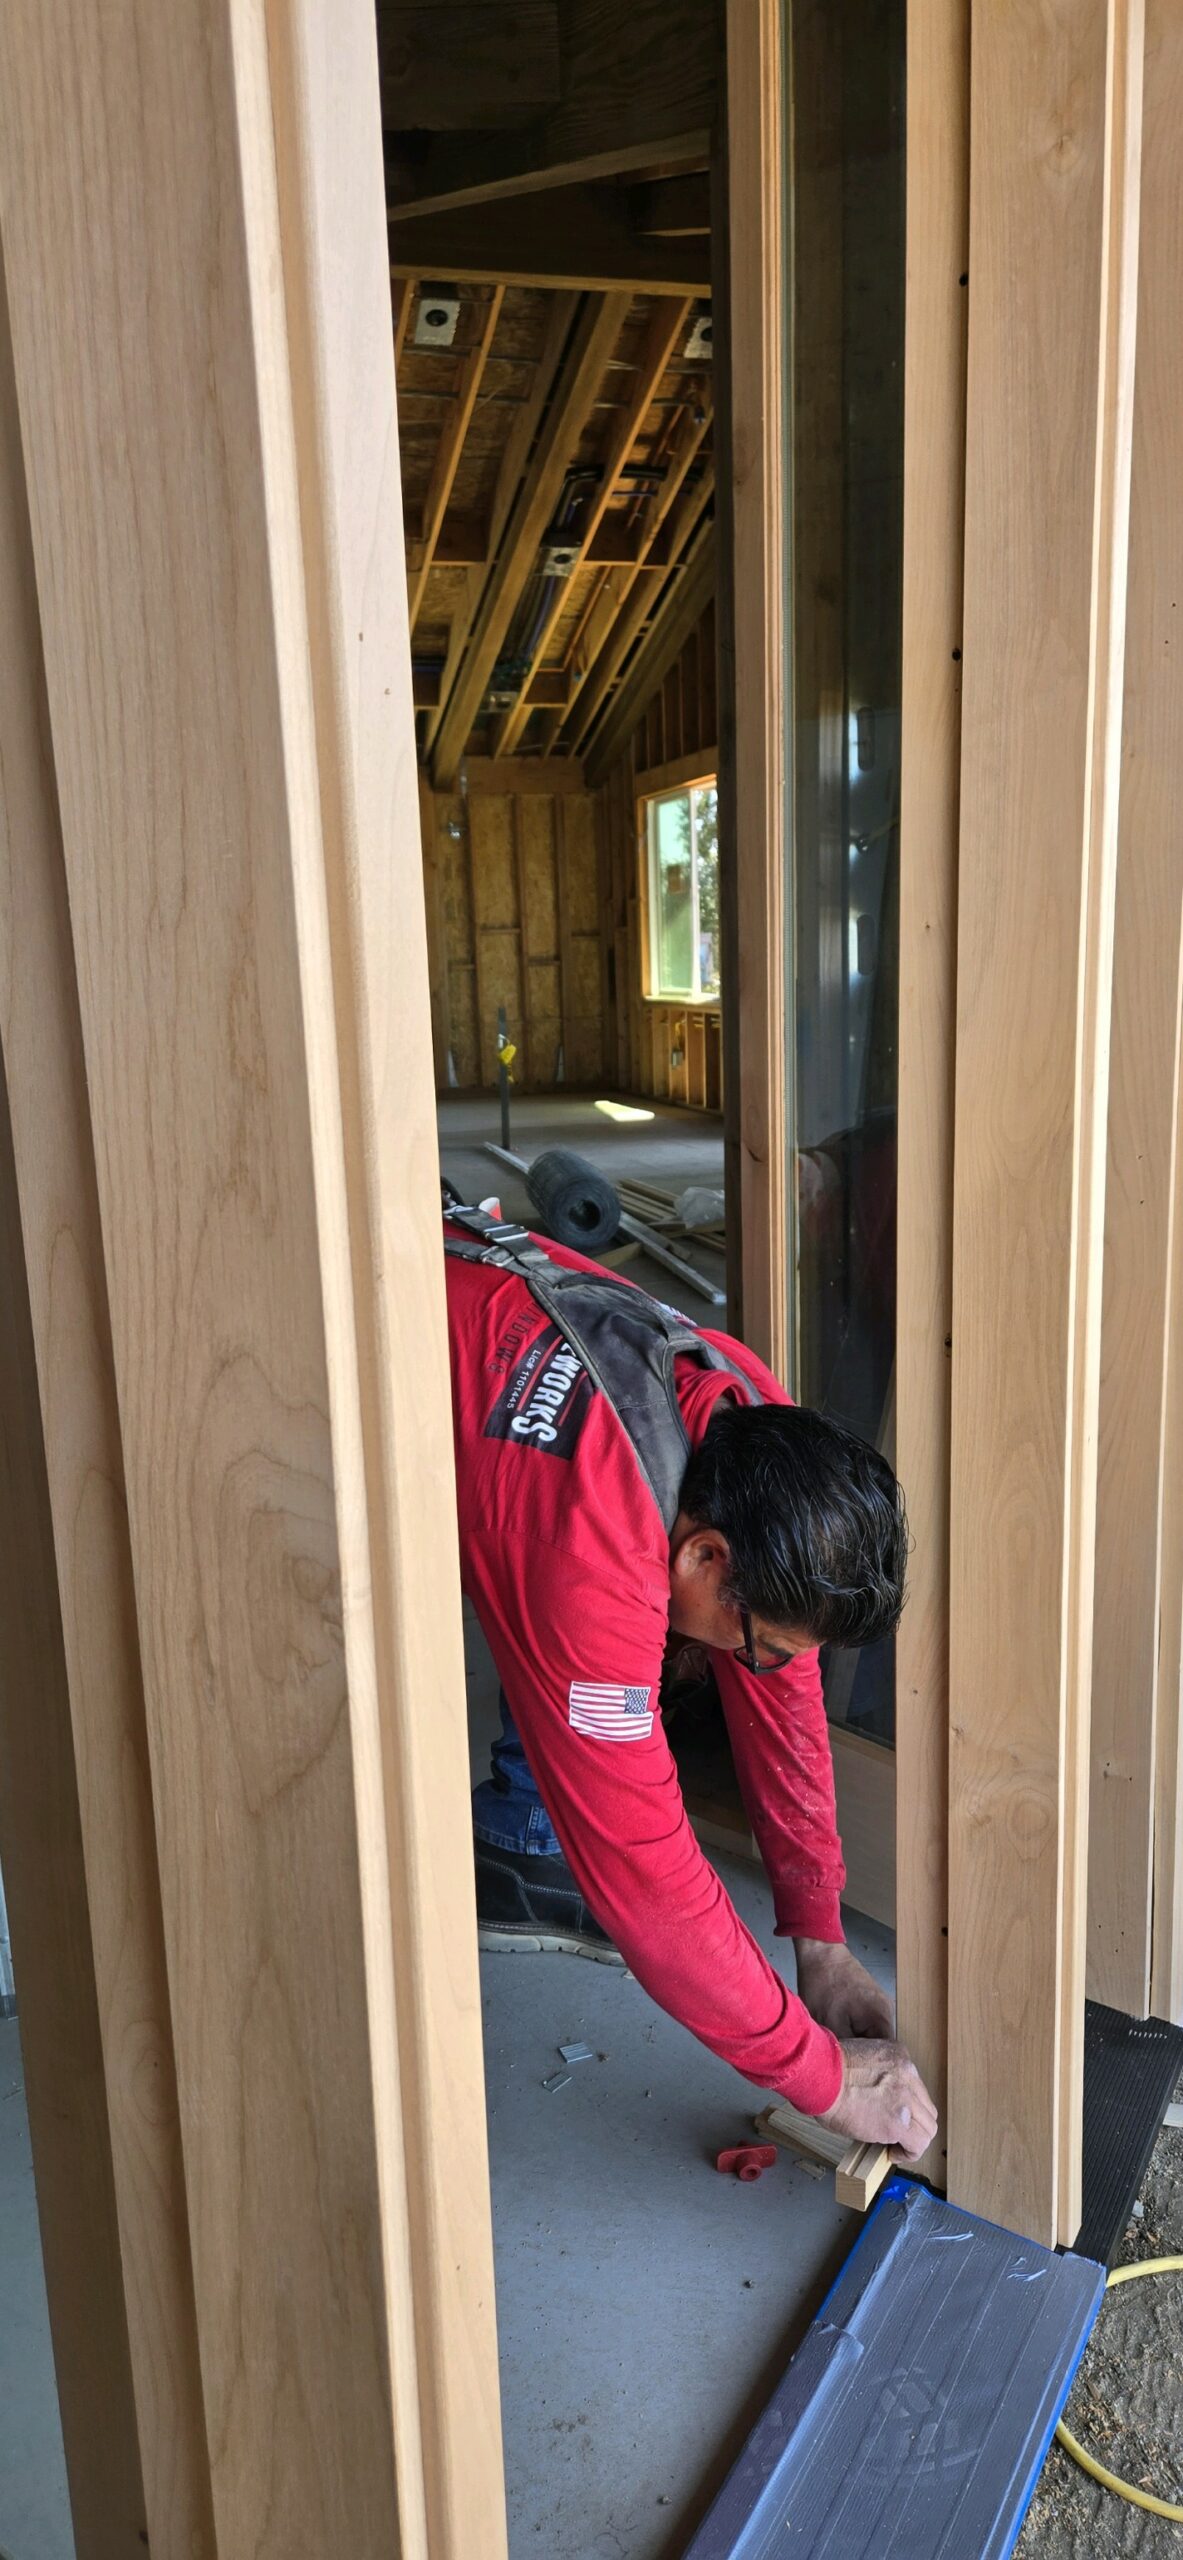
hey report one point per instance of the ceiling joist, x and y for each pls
(519, 445)
(451, 446)
(579, 237)
(666, 326)
(681, 501)
(593, 343)
(681, 607)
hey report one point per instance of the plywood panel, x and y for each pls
(1131, 1602)
(1054, 178)
(239, 819)
(579, 867)
(466, 1047)
(494, 882)
(499, 982)
(539, 916)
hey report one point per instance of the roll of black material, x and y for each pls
(574, 1203)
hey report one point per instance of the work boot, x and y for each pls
(533, 1906)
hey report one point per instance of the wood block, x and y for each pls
(859, 2167)
(783, 2123)
(860, 2174)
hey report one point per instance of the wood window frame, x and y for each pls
(658, 782)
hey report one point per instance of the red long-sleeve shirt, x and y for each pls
(565, 1558)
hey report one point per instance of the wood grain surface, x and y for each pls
(1053, 205)
(195, 196)
(1133, 1702)
(934, 533)
(86, 1700)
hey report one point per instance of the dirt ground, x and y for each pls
(1126, 2404)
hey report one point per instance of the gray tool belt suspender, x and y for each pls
(626, 1340)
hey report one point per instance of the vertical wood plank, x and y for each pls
(1055, 131)
(1166, 1976)
(239, 815)
(1166, 1949)
(725, 702)
(1134, 1454)
(46, 1892)
(77, 1804)
(757, 154)
(934, 527)
(419, 1916)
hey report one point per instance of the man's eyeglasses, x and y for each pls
(746, 1652)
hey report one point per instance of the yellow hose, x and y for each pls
(1096, 2470)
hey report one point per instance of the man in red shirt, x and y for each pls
(782, 1532)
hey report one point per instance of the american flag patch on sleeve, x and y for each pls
(610, 1711)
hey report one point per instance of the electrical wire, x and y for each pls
(1096, 2470)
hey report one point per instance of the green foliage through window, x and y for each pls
(682, 837)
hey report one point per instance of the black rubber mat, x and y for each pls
(1131, 2066)
(914, 2418)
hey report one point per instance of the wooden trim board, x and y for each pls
(1135, 1688)
(96, 2030)
(239, 816)
(1053, 248)
(701, 766)
(934, 527)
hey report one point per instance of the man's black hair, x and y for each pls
(814, 1518)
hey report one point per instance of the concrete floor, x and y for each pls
(34, 2508)
(645, 2304)
(673, 1149)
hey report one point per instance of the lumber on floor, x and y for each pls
(1054, 267)
(237, 788)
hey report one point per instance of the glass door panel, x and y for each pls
(845, 269)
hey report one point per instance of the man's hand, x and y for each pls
(840, 1993)
(882, 2099)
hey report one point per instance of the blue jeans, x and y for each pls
(507, 1811)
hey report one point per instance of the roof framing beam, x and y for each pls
(451, 446)
(519, 446)
(580, 376)
(635, 595)
(681, 606)
(666, 324)
(581, 237)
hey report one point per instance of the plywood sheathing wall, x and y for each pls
(513, 888)
(535, 900)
